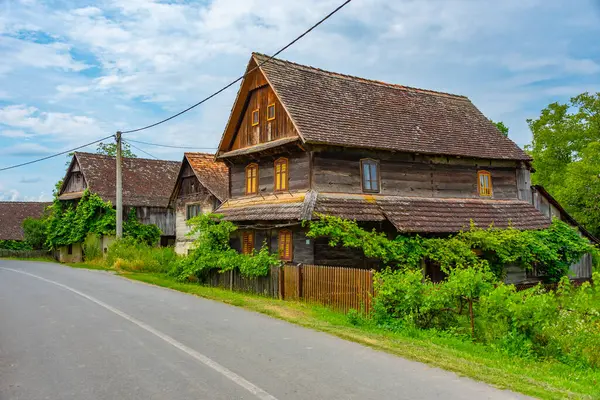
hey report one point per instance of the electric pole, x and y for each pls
(119, 188)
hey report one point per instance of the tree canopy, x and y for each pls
(566, 153)
(110, 149)
(501, 127)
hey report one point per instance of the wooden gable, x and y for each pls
(256, 94)
(74, 181)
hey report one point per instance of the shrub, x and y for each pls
(129, 255)
(34, 230)
(211, 251)
(92, 247)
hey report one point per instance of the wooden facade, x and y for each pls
(425, 162)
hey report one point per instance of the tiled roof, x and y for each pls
(418, 214)
(212, 174)
(287, 206)
(336, 109)
(145, 182)
(12, 215)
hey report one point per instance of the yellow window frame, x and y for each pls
(255, 112)
(251, 180)
(272, 105)
(484, 183)
(281, 174)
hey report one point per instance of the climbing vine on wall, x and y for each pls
(551, 251)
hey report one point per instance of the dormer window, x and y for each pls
(252, 179)
(255, 117)
(271, 112)
(484, 183)
(369, 170)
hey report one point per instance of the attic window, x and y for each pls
(271, 112)
(255, 117)
(484, 183)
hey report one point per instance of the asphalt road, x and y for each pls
(77, 334)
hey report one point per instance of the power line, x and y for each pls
(170, 146)
(137, 148)
(55, 155)
(243, 76)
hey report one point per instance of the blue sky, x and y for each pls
(74, 71)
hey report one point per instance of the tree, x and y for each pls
(501, 127)
(110, 149)
(35, 232)
(566, 153)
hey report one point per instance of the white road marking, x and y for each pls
(252, 388)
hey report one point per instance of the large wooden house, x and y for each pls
(147, 186)
(302, 141)
(200, 188)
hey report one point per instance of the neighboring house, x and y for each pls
(200, 188)
(12, 215)
(302, 141)
(543, 201)
(147, 185)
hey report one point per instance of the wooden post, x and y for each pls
(231, 279)
(299, 281)
(281, 277)
(119, 188)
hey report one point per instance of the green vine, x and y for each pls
(211, 251)
(551, 251)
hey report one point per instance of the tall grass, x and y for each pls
(129, 255)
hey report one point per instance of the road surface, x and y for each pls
(78, 334)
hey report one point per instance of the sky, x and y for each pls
(74, 71)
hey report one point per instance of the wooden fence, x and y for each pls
(24, 253)
(339, 288)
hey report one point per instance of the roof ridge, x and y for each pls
(24, 202)
(365, 80)
(126, 158)
(198, 153)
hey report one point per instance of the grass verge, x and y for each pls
(544, 379)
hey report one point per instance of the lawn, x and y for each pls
(539, 378)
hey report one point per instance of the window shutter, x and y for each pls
(285, 245)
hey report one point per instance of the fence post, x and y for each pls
(231, 279)
(299, 281)
(281, 282)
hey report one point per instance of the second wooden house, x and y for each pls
(200, 188)
(302, 141)
(147, 186)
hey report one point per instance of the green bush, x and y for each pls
(130, 255)
(92, 247)
(563, 324)
(14, 245)
(211, 251)
(34, 230)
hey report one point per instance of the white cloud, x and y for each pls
(63, 126)
(13, 133)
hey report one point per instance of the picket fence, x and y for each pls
(339, 288)
(24, 253)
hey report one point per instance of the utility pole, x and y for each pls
(119, 187)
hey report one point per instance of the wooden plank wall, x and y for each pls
(422, 177)
(298, 164)
(266, 131)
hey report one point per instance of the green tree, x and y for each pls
(566, 153)
(501, 127)
(35, 232)
(110, 149)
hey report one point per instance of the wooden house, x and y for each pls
(302, 141)
(147, 186)
(201, 187)
(12, 215)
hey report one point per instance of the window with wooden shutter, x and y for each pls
(247, 242)
(252, 179)
(369, 170)
(285, 245)
(193, 210)
(484, 183)
(255, 117)
(271, 112)
(281, 174)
